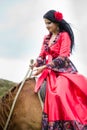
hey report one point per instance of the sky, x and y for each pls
(22, 30)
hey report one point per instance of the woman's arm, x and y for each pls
(62, 59)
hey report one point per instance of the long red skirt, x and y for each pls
(66, 101)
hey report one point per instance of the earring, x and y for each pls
(57, 29)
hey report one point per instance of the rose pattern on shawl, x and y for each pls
(62, 64)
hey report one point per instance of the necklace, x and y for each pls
(53, 39)
(47, 42)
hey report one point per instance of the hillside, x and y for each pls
(5, 85)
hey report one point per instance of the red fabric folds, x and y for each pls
(66, 96)
(66, 93)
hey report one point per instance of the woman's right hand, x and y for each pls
(33, 65)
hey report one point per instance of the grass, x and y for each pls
(5, 85)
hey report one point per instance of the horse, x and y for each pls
(27, 113)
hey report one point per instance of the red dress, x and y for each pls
(65, 106)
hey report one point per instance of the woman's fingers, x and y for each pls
(38, 71)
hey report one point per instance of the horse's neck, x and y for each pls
(7, 100)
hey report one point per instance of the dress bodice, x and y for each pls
(60, 47)
(56, 56)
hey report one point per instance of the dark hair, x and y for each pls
(63, 25)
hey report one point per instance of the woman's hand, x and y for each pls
(33, 65)
(39, 70)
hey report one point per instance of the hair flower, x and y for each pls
(58, 16)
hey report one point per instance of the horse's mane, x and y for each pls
(6, 103)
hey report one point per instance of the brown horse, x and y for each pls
(27, 112)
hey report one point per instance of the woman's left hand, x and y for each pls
(39, 70)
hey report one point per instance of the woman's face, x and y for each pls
(52, 27)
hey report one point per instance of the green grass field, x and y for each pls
(5, 85)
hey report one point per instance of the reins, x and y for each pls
(18, 92)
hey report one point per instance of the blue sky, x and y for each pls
(22, 30)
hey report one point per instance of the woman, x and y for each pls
(65, 104)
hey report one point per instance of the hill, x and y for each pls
(5, 85)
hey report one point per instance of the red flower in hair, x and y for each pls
(58, 16)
